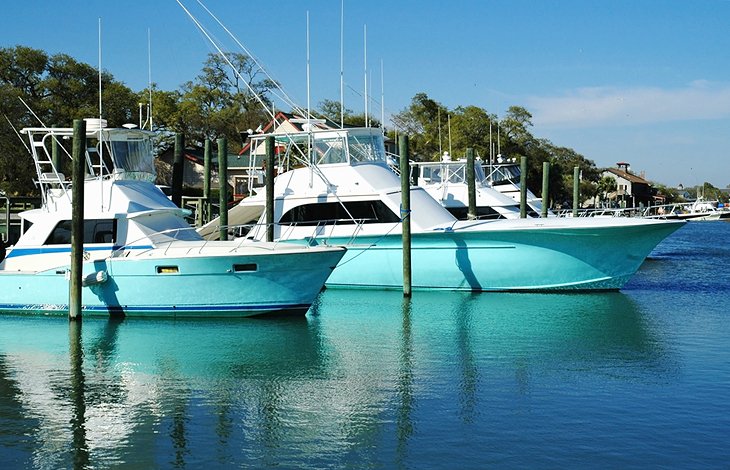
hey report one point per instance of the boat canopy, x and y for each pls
(332, 146)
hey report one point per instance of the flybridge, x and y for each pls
(113, 153)
(328, 146)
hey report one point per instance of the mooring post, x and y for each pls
(77, 218)
(576, 190)
(523, 187)
(178, 170)
(545, 189)
(405, 212)
(471, 184)
(223, 182)
(270, 188)
(206, 181)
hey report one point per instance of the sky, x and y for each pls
(640, 81)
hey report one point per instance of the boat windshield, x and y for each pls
(504, 174)
(451, 172)
(366, 148)
(132, 156)
(362, 147)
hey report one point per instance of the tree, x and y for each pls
(330, 109)
(224, 100)
(605, 186)
(423, 121)
(57, 89)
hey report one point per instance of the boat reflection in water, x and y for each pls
(349, 384)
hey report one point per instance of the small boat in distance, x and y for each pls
(140, 255)
(698, 210)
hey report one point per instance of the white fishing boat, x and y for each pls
(346, 194)
(446, 182)
(140, 255)
(698, 210)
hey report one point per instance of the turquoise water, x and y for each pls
(634, 379)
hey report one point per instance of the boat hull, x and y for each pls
(231, 285)
(568, 258)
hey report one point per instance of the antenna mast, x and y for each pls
(149, 73)
(366, 74)
(342, 64)
(382, 97)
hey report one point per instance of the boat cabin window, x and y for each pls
(95, 231)
(368, 212)
(483, 212)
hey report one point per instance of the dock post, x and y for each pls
(523, 187)
(545, 189)
(270, 188)
(405, 212)
(77, 218)
(178, 169)
(206, 181)
(576, 190)
(223, 182)
(471, 184)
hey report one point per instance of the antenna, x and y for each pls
(149, 73)
(491, 150)
(382, 97)
(441, 152)
(309, 115)
(342, 64)
(308, 127)
(366, 72)
(499, 148)
(100, 113)
(101, 144)
(449, 122)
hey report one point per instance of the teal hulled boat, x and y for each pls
(140, 255)
(347, 194)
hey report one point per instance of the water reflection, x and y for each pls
(363, 371)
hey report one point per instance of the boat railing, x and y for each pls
(604, 212)
(319, 230)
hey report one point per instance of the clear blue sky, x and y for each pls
(642, 81)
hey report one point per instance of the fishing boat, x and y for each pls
(698, 210)
(446, 182)
(344, 193)
(140, 255)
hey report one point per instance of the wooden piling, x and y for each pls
(405, 185)
(206, 180)
(471, 184)
(223, 180)
(576, 190)
(545, 189)
(523, 187)
(77, 218)
(270, 188)
(178, 170)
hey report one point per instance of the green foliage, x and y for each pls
(330, 109)
(471, 126)
(221, 102)
(58, 89)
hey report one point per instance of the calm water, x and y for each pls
(634, 379)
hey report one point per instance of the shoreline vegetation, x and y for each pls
(58, 89)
